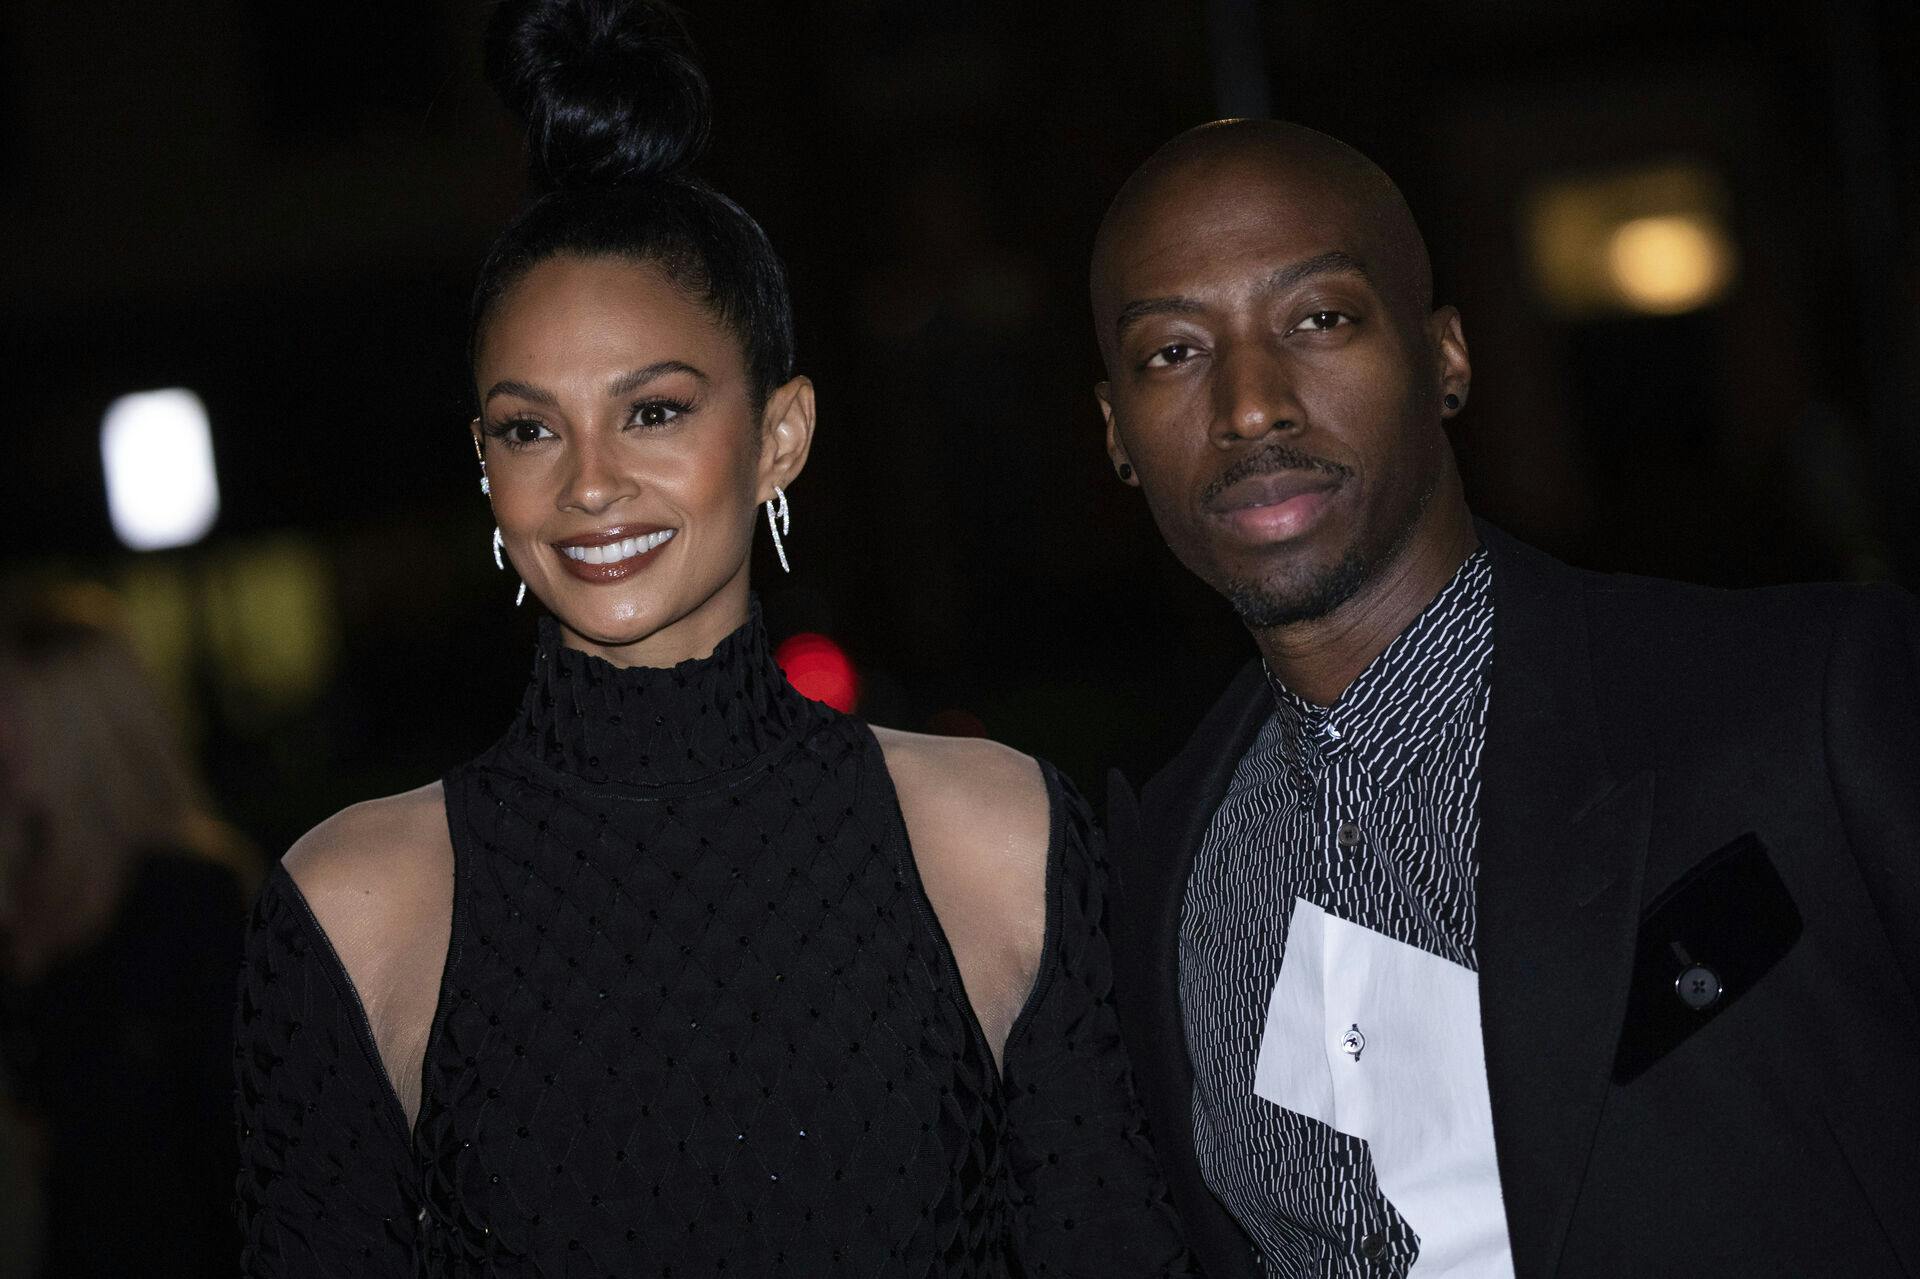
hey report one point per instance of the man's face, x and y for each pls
(1273, 384)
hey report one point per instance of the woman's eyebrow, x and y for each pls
(508, 386)
(629, 382)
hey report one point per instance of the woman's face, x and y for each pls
(626, 459)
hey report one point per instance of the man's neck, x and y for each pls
(1320, 659)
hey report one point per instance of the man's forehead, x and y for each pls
(1210, 237)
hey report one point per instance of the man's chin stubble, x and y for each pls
(1263, 606)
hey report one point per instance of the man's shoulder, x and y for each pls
(1668, 660)
(1639, 613)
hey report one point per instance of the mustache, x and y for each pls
(1271, 460)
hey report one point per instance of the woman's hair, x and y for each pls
(616, 111)
(94, 776)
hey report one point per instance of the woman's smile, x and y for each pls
(611, 554)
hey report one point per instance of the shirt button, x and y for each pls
(1699, 988)
(1374, 1246)
(1349, 835)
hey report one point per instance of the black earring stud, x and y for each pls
(1126, 470)
(1451, 400)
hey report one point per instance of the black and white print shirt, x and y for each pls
(1340, 1106)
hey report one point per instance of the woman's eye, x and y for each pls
(1170, 355)
(523, 430)
(655, 413)
(1321, 321)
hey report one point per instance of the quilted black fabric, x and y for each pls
(698, 1018)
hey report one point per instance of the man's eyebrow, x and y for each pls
(1134, 312)
(1332, 262)
(630, 382)
(523, 390)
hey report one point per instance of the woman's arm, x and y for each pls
(325, 1186)
(337, 997)
(1093, 1201)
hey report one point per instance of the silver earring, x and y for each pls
(486, 488)
(779, 521)
(500, 561)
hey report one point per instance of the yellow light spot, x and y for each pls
(1666, 264)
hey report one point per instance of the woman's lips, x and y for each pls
(611, 554)
(1276, 506)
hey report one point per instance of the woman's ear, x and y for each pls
(786, 435)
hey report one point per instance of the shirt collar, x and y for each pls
(1399, 703)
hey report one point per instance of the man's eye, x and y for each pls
(1167, 356)
(1321, 321)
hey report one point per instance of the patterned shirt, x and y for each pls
(1366, 810)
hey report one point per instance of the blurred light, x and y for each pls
(821, 670)
(1648, 241)
(157, 452)
(269, 618)
(1666, 264)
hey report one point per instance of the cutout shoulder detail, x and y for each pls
(979, 821)
(378, 878)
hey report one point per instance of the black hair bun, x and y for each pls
(608, 89)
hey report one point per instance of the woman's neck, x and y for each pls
(688, 637)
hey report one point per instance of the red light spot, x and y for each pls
(821, 670)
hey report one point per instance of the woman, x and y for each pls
(121, 914)
(686, 975)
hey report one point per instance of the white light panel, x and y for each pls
(157, 451)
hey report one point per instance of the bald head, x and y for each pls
(1278, 376)
(1241, 170)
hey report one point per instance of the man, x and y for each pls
(1502, 918)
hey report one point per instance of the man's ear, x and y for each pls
(1116, 451)
(786, 436)
(1450, 354)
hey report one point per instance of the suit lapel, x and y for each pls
(1562, 850)
(1175, 810)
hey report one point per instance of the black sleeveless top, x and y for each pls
(697, 1018)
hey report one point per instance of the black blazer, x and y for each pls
(1673, 776)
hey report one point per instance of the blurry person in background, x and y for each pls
(1501, 918)
(121, 914)
(686, 973)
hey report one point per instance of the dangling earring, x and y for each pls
(779, 521)
(486, 488)
(500, 562)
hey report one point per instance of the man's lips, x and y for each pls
(1270, 489)
(1275, 506)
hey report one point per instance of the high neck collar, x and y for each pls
(1396, 706)
(655, 725)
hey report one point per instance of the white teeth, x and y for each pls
(613, 552)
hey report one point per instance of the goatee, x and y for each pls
(1262, 605)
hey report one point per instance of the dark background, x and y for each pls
(281, 206)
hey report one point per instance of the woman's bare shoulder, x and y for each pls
(980, 823)
(379, 879)
(379, 849)
(979, 785)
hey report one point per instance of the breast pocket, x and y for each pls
(1702, 945)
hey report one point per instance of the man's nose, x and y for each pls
(1254, 394)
